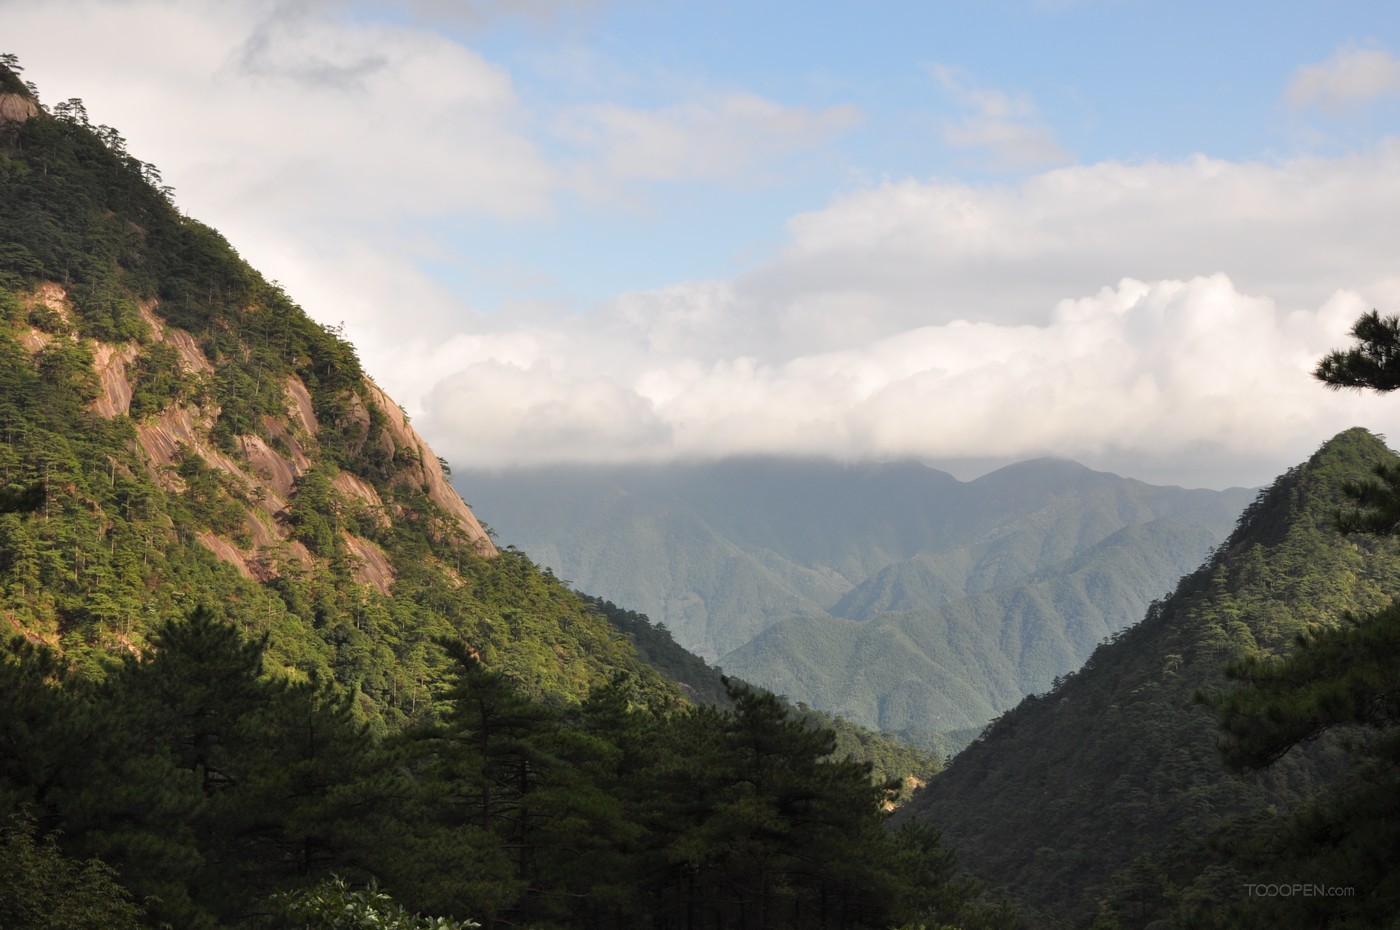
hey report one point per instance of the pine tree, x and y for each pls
(37, 730)
(206, 782)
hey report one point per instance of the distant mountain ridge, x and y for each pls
(764, 563)
(956, 664)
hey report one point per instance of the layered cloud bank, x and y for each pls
(1148, 378)
(948, 321)
(1156, 317)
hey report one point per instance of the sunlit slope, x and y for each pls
(196, 439)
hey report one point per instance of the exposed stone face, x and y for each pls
(192, 357)
(226, 551)
(264, 468)
(371, 564)
(16, 108)
(426, 472)
(111, 362)
(161, 437)
(263, 462)
(355, 491)
(301, 408)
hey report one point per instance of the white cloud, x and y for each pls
(724, 137)
(482, 13)
(1351, 78)
(320, 120)
(1004, 127)
(908, 253)
(500, 413)
(1162, 369)
(947, 320)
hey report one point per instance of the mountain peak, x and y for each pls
(1350, 443)
(1310, 492)
(1045, 464)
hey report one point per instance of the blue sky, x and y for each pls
(966, 232)
(1126, 80)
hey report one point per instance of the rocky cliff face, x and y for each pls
(425, 472)
(265, 465)
(16, 108)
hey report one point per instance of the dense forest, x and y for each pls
(266, 670)
(891, 759)
(213, 788)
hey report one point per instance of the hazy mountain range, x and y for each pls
(893, 593)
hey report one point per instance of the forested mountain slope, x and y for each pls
(955, 665)
(198, 440)
(1109, 790)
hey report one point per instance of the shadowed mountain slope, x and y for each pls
(1118, 763)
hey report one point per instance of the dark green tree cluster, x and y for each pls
(203, 782)
(212, 788)
(335, 905)
(654, 643)
(42, 889)
(611, 814)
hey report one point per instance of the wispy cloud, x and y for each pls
(1004, 126)
(721, 137)
(1352, 78)
(482, 13)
